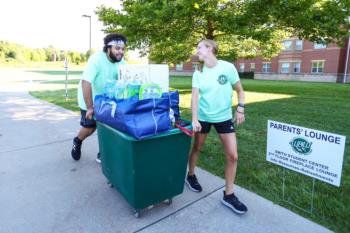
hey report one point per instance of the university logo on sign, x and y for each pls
(301, 145)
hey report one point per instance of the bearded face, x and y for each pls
(116, 53)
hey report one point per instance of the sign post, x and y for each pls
(284, 198)
(66, 82)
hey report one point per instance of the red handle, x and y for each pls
(185, 130)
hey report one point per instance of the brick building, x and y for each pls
(300, 60)
(186, 68)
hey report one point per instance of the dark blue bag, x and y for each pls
(138, 118)
(174, 102)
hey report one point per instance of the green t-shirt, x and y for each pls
(215, 91)
(97, 71)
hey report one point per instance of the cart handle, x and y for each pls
(185, 130)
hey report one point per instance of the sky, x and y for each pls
(40, 23)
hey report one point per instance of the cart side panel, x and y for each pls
(117, 161)
(160, 168)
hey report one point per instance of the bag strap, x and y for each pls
(185, 130)
(154, 119)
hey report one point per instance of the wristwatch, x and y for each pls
(240, 105)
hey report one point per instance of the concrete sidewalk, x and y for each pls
(43, 190)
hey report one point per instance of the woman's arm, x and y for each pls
(239, 115)
(194, 106)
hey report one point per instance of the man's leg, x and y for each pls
(85, 132)
(88, 128)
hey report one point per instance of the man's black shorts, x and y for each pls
(86, 123)
(220, 127)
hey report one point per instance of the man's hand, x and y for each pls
(89, 113)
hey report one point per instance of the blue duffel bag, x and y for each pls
(174, 102)
(138, 118)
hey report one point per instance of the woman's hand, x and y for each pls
(239, 116)
(196, 126)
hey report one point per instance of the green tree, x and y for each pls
(50, 53)
(38, 55)
(74, 57)
(168, 30)
(2, 55)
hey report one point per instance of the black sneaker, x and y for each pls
(232, 202)
(98, 158)
(193, 184)
(76, 148)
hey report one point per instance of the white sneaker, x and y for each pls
(98, 159)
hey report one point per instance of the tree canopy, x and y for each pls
(169, 30)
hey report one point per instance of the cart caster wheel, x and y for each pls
(136, 213)
(110, 184)
(168, 201)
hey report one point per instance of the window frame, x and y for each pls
(282, 68)
(318, 69)
(289, 48)
(294, 67)
(241, 67)
(251, 68)
(319, 46)
(300, 47)
(179, 66)
(266, 69)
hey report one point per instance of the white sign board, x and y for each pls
(152, 73)
(311, 152)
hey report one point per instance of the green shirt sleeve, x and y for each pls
(233, 74)
(195, 81)
(91, 70)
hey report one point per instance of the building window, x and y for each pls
(296, 67)
(252, 67)
(179, 67)
(285, 67)
(317, 66)
(266, 67)
(195, 66)
(241, 67)
(287, 45)
(298, 45)
(319, 46)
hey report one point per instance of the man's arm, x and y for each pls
(87, 93)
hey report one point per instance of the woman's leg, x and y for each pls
(230, 145)
(199, 140)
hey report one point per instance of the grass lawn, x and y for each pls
(320, 106)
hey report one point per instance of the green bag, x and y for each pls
(131, 90)
(148, 91)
